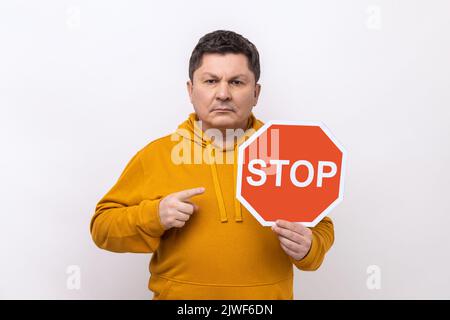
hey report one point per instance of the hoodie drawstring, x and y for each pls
(237, 204)
(220, 201)
(218, 190)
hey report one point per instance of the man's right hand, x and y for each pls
(175, 209)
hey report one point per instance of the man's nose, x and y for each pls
(223, 92)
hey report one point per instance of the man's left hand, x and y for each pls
(295, 239)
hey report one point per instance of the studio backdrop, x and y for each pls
(86, 84)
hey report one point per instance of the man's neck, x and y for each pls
(229, 136)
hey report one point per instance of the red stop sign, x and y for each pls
(291, 171)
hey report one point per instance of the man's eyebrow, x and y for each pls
(215, 76)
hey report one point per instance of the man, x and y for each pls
(176, 197)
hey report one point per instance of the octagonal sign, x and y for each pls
(292, 171)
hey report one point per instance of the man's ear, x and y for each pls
(189, 89)
(256, 93)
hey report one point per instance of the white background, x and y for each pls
(85, 84)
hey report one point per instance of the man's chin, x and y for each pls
(224, 121)
(221, 121)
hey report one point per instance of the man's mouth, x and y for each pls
(222, 109)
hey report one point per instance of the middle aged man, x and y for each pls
(176, 197)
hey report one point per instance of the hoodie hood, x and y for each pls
(191, 131)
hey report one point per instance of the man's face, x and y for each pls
(223, 91)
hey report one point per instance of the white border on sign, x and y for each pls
(264, 128)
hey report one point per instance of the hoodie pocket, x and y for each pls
(180, 290)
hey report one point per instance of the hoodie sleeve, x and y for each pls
(124, 221)
(322, 240)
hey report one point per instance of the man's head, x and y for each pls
(224, 71)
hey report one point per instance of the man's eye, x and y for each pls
(236, 82)
(210, 81)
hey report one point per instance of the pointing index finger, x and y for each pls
(186, 194)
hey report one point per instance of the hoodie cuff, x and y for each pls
(149, 218)
(307, 262)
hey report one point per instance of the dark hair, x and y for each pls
(223, 41)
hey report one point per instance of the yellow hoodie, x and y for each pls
(222, 252)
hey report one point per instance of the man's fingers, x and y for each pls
(178, 223)
(293, 254)
(293, 246)
(289, 234)
(186, 194)
(184, 207)
(182, 216)
(293, 226)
